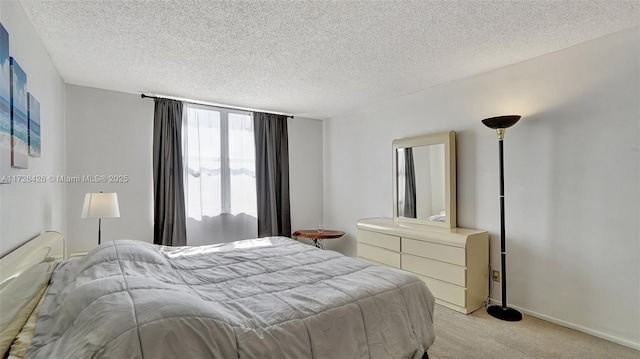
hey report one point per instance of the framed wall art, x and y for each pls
(19, 119)
(34, 126)
(5, 91)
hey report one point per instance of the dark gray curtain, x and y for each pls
(409, 184)
(272, 174)
(169, 219)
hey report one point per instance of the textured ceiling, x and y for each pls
(308, 58)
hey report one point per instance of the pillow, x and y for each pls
(437, 218)
(19, 298)
(25, 337)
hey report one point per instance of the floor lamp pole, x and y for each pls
(99, 227)
(503, 246)
(502, 312)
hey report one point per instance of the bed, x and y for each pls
(263, 298)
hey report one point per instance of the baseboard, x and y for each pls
(595, 333)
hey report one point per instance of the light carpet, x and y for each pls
(480, 336)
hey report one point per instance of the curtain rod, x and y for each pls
(212, 104)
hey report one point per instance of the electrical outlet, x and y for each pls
(495, 275)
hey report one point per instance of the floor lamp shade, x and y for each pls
(500, 124)
(100, 205)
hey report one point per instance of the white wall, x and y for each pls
(572, 176)
(110, 133)
(27, 209)
(305, 174)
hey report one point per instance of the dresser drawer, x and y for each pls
(364, 259)
(443, 271)
(379, 255)
(439, 252)
(445, 291)
(379, 240)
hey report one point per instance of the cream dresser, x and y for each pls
(452, 262)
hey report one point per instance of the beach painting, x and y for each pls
(19, 120)
(34, 126)
(5, 94)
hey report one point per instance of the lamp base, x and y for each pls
(507, 314)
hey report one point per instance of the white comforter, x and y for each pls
(263, 298)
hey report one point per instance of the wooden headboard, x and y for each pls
(48, 246)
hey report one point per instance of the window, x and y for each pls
(219, 162)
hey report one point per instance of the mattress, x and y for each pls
(264, 298)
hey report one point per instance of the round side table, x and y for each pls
(316, 236)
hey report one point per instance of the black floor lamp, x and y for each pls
(500, 124)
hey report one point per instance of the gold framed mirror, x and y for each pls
(424, 180)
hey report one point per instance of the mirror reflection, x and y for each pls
(421, 182)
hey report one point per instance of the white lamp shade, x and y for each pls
(100, 205)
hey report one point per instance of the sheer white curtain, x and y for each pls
(242, 165)
(220, 180)
(203, 170)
